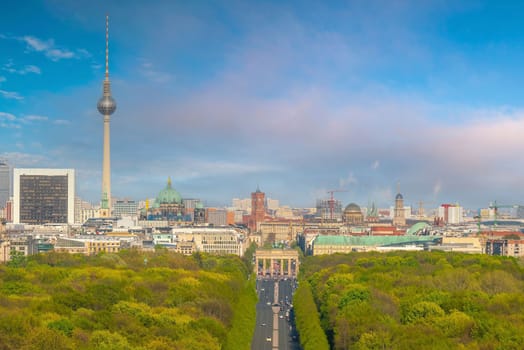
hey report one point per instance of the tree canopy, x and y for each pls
(417, 300)
(117, 301)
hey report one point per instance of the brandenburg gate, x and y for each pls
(276, 262)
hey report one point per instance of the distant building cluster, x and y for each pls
(41, 211)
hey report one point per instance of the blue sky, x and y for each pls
(298, 97)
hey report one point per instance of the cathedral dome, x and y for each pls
(168, 195)
(352, 207)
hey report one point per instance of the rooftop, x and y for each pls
(370, 240)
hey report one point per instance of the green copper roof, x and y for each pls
(369, 240)
(168, 195)
(417, 227)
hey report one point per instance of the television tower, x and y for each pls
(106, 106)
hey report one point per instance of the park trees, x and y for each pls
(116, 301)
(416, 300)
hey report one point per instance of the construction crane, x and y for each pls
(421, 211)
(496, 207)
(331, 202)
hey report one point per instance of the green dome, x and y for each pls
(168, 195)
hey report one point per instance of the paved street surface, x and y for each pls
(263, 338)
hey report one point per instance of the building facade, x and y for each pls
(399, 216)
(5, 181)
(168, 205)
(211, 240)
(5, 251)
(87, 246)
(353, 215)
(42, 196)
(451, 213)
(258, 210)
(125, 207)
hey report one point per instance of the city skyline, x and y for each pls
(297, 97)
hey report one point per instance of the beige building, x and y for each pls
(5, 251)
(399, 213)
(353, 215)
(186, 248)
(472, 245)
(87, 246)
(505, 247)
(211, 240)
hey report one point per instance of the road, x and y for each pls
(264, 337)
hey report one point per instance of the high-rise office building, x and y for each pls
(106, 106)
(4, 183)
(42, 196)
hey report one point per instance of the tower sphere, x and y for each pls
(106, 105)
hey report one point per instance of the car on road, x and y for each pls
(268, 338)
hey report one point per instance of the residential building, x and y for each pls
(451, 213)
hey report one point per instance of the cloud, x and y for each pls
(278, 110)
(61, 122)
(9, 67)
(20, 159)
(9, 125)
(33, 118)
(349, 180)
(50, 50)
(147, 70)
(7, 116)
(11, 95)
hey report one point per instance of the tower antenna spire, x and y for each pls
(107, 47)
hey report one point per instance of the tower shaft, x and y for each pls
(106, 167)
